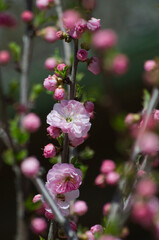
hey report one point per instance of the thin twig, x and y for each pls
(58, 216)
(74, 71)
(50, 234)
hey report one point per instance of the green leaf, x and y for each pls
(60, 139)
(39, 18)
(35, 92)
(79, 76)
(118, 123)
(41, 238)
(63, 72)
(21, 155)
(16, 51)
(84, 170)
(30, 206)
(79, 90)
(87, 153)
(146, 99)
(55, 159)
(8, 157)
(3, 5)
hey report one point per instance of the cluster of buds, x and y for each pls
(107, 175)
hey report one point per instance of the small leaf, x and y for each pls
(35, 92)
(146, 99)
(21, 155)
(30, 206)
(79, 90)
(87, 153)
(16, 51)
(84, 170)
(8, 157)
(79, 76)
(3, 5)
(41, 238)
(60, 139)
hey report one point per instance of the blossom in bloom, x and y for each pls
(149, 143)
(27, 16)
(106, 209)
(93, 24)
(108, 237)
(149, 65)
(74, 142)
(107, 166)
(94, 65)
(82, 55)
(50, 63)
(78, 29)
(50, 83)
(54, 132)
(112, 178)
(42, 4)
(59, 93)
(37, 198)
(70, 17)
(120, 64)
(49, 151)
(89, 235)
(71, 117)
(63, 177)
(4, 57)
(104, 39)
(146, 188)
(30, 167)
(7, 20)
(89, 106)
(63, 200)
(38, 225)
(31, 122)
(50, 34)
(80, 208)
(97, 228)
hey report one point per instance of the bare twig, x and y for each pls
(74, 71)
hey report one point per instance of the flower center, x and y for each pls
(69, 119)
(61, 197)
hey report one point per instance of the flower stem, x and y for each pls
(74, 71)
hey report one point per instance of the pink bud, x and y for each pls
(30, 167)
(120, 64)
(31, 122)
(70, 17)
(49, 151)
(54, 132)
(146, 188)
(94, 65)
(49, 215)
(141, 173)
(50, 83)
(149, 65)
(80, 208)
(107, 166)
(61, 66)
(156, 115)
(89, 106)
(104, 39)
(27, 16)
(106, 209)
(89, 235)
(82, 55)
(93, 24)
(7, 20)
(50, 34)
(100, 180)
(4, 57)
(59, 93)
(132, 118)
(112, 178)
(149, 143)
(97, 228)
(38, 225)
(42, 4)
(50, 63)
(37, 198)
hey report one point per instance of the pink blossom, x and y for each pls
(89, 235)
(149, 143)
(93, 24)
(89, 106)
(4, 57)
(37, 198)
(31, 122)
(63, 177)
(106, 209)
(112, 178)
(38, 225)
(97, 228)
(42, 4)
(49, 215)
(30, 167)
(100, 180)
(76, 141)
(49, 151)
(50, 63)
(61, 66)
(78, 29)
(104, 39)
(120, 64)
(50, 83)
(63, 200)
(131, 118)
(50, 34)
(60, 35)
(71, 117)
(156, 115)
(54, 132)
(107, 166)
(7, 20)
(82, 55)
(141, 173)
(94, 65)
(27, 16)
(70, 17)
(146, 188)
(108, 237)
(149, 65)
(59, 93)
(80, 208)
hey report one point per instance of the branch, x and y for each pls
(58, 216)
(74, 71)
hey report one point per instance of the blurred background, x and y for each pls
(136, 24)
